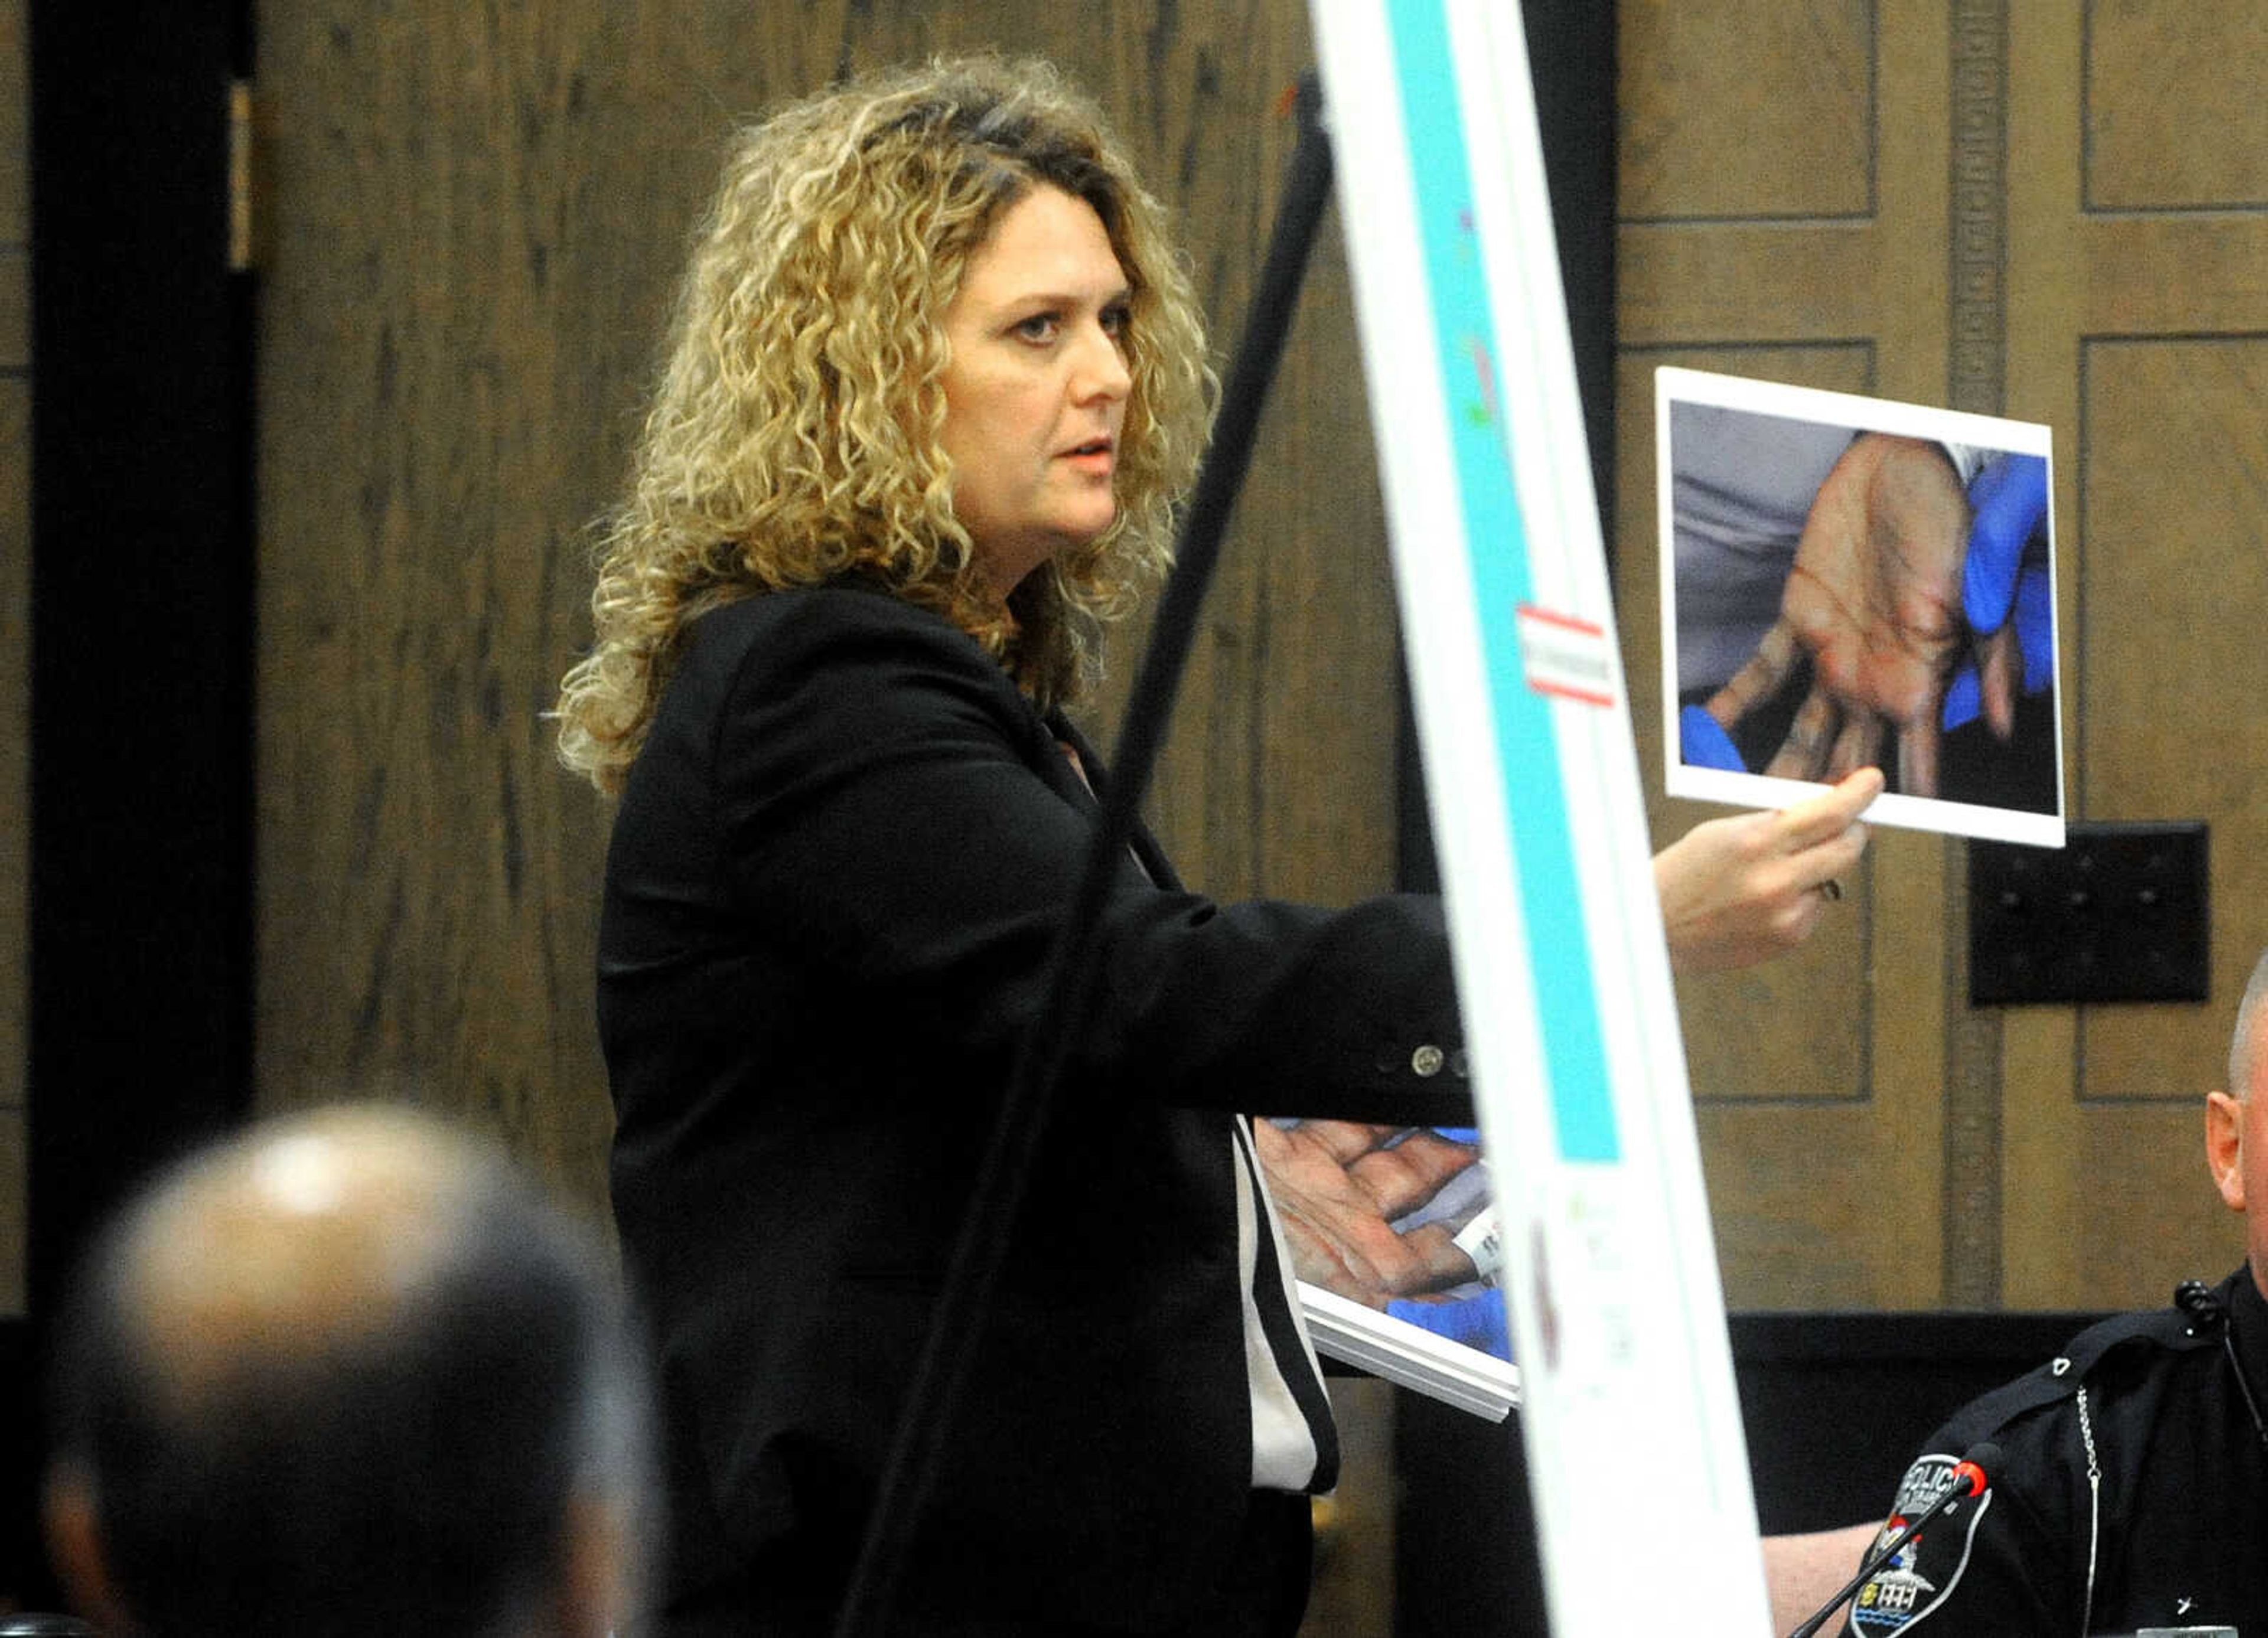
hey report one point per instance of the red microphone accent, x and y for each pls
(1972, 1467)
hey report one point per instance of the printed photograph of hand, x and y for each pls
(1872, 601)
(1847, 598)
(1340, 1185)
(1379, 1215)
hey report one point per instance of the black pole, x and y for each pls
(941, 1375)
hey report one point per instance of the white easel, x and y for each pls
(1633, 1426)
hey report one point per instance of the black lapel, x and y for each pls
(1145, 845)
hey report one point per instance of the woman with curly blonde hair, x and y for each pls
(798, 431)
(935, 381)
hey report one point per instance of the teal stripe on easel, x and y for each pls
(1495, 540)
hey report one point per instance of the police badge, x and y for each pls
(1922, 1573)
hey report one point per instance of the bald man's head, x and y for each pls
(2244, 1045)
(348, 1374)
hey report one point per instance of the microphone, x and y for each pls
(1972, 1475)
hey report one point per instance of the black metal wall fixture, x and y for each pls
(2122, 912)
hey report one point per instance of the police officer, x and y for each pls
(2132, 1488)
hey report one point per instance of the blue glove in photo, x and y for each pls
(1702, 743)
(1478, 1321)
(2008, 500)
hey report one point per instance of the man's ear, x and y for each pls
(2224, 1147)
(75, 1539)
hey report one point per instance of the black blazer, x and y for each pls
(832, 887)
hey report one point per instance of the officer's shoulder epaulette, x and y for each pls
(2170, 1329)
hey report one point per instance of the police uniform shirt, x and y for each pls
(2132, 1490)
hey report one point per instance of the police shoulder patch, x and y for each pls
(1922, 1574)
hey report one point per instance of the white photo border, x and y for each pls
(1674, 385)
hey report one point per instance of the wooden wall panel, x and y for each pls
(2172, 603)
(1815, 251)
(2148, 1216)
(2139, 338)
(15, 302)
(426, 454)
(2171, 511)
(2043, 1156)
(2173, 105)
(1274, 782)
(1781, 125)
(2165, 274)
(1747, 282)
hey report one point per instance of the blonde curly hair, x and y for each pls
(795, 433)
